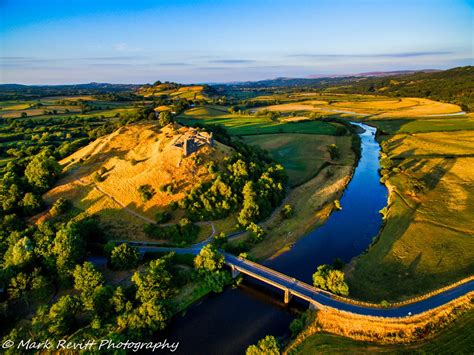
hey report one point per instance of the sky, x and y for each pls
(141, 41)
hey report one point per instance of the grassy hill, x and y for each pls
(176, 91)
(105, 177)
(454, 85)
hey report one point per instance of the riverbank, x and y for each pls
(312, 203)
(427, 240)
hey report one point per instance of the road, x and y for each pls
(312, 294)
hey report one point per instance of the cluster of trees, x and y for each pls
(21, 185)
(266, 346)
(123, 312)
(184, 232)
(248, 183)
(330, 279)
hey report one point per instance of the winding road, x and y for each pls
(317, 296)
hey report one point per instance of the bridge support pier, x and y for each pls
(234, 271)
(288, 296)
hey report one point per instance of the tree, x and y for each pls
(209, 259)
(209, 264)
(60, 206)
(265, 346)
(20, 253)
(68, 247)
(336, 283)
(144, 320)
(88, 280)
(319, 277)
(124, 257)
(256, 232)
(62, 315)
(42, 171)
(250, 209)
(146, 192)
(32, 203)
(334, 151)
(332, 280)
(165, 118)
(155, 281)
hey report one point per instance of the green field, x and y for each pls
(241, 125)
(456, 339)
(427, 241)
(302, 155)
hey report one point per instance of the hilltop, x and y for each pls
(176, 91)
(109, 176)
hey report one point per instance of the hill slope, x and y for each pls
(104, 177)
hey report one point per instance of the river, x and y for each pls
(227, 323)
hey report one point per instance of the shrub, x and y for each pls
(60, 206)
(287, 211)
(162, 217)
(146, 192)
(334, 151)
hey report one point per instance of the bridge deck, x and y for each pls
(323, 298)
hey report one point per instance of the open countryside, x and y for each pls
(228, 212)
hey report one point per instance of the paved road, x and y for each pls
(305, 291)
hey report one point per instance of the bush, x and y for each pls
(146, 192)
(287, 211)
(162, 217)
(334, 151)
(60, 206)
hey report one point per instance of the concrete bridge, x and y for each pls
(317, 297)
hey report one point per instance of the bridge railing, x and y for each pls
(277, 274)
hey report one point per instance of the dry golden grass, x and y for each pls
(377, 106)
(432, 143)
(136, 155)
(385, 330)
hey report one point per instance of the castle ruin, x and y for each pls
(192, 140)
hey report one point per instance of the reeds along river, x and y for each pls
(227, 323)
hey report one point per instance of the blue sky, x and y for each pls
(78, 41)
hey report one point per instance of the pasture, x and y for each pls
(428, 238)
(241, 125)
(302, 155)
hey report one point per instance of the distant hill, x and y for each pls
(18, 91)
(454, 85)
(176, 91)
(377, 73)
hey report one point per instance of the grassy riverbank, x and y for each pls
(456, 339)
(427, 241)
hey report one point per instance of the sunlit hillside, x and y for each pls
(105, 177)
